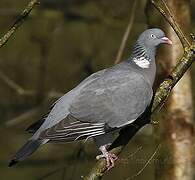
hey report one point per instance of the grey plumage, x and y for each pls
(103, 103)
(26, 150)
(35, 126)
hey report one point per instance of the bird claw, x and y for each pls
(110, 159)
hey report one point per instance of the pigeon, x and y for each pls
(103, 103)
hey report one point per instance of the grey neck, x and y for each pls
(140, 53)
(140, 50)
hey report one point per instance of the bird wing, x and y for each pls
(71, 129)
(113, 99)
(117, 99)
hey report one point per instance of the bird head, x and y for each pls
(151, 38)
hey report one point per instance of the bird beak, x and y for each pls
(167, 40)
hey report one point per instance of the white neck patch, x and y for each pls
(142, 62)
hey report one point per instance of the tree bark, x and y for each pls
(176, 132)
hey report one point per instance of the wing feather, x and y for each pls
(70, 129)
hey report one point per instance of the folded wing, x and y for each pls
(116, 99)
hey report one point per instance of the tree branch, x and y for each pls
(20, 90)
(160, 96)
(27, 92)
(162, 7)
(126, 34)
(146, 163)
(18, 22)
(22, 117)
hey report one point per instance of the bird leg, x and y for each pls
(110, 157)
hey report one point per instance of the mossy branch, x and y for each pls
(162, 7)
(161, 94)
(19, 21)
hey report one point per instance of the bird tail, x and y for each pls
(26, 150)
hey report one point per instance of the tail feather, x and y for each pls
(25, 151)
(35, 126)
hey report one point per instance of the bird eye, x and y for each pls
(153, 36)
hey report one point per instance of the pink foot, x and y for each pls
(110, 157)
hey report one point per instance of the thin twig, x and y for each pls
(126, 34)
(18, 22)
(22, 117)
(125, 160)
(174, 21)
(14, 85)
(134, 153)
(21, 91)
(146, 164)
(24, 92)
